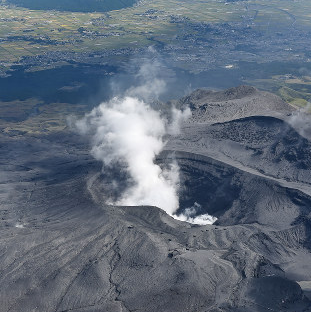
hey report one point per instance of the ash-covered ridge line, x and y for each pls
(76, 253)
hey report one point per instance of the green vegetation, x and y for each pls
(27, 32)
(294, 97)
(33, 117)
(295, 90)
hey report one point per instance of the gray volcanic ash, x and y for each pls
(250, 169)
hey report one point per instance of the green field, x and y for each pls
(25, 32)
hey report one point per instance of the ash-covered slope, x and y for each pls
(234, 103)
(66, 250)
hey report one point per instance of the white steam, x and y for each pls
(151, 86)
(127, 132)
(130, 132)
(300, 120)
(189, 215)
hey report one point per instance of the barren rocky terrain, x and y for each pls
(244, 157)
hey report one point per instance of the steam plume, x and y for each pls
(190, 215)
(130, 132)
(127, 132)
(300, 120)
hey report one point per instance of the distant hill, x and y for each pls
(74, 5)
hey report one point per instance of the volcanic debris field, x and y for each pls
(242, 158)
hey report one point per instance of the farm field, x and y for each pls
(68, 56)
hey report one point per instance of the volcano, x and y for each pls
(242, 159)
